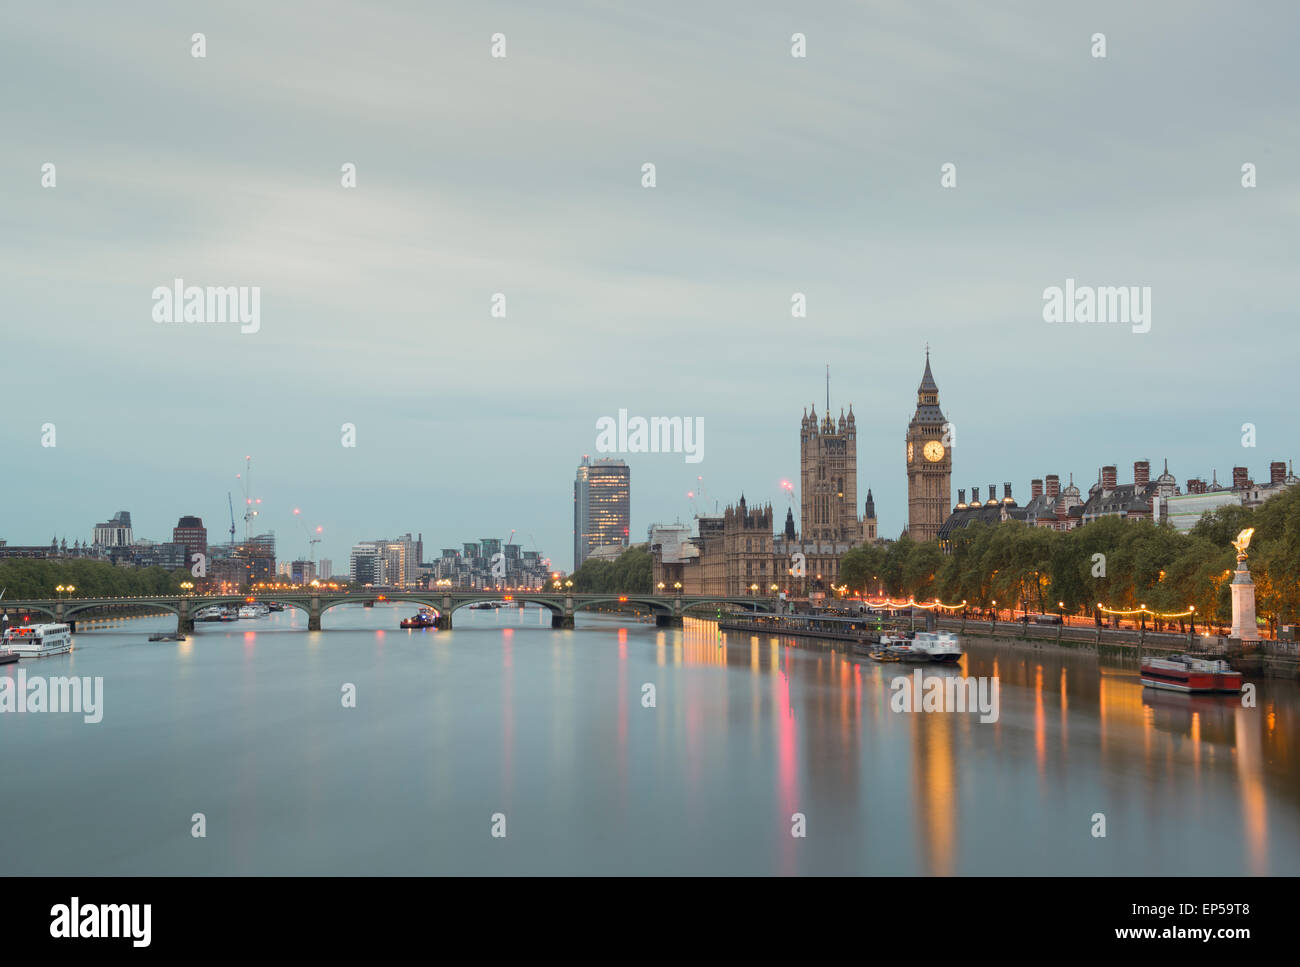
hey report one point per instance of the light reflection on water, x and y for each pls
(244, 723)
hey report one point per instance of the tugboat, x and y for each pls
(425, 618)
(1189, 673)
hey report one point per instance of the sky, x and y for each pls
(523, 175)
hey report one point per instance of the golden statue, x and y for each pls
(1242, 542)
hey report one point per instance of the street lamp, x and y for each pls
(188, 586)
(677, 586)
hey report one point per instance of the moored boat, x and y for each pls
(1189, 673)
(940, 646)
(39, 641)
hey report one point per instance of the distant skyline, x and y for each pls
(775, 175)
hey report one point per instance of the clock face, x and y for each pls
(909, 453)
(933, 451)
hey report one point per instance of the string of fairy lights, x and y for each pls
(937, 605)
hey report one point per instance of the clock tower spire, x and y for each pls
(929, 462)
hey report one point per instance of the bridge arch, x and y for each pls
(749, 604)
(655, 606)
(29, 608)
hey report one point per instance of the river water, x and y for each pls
(505, 726)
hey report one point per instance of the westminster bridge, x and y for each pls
(668, 610)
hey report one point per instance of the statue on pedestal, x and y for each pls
(1244, 626)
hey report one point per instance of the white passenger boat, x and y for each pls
(38, 641)
(254, 610)
(937, 645)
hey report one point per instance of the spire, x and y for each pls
(928, 385)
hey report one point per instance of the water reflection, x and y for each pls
(506, 714)
(1200, 763)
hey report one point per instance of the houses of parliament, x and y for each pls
(737, 552)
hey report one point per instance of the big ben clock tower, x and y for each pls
(929, 463)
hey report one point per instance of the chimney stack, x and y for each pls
(1196, 486)
(993, 493)
(975, 496)
(1276, 472)
(961, 497)
(1240, 478)
(1142, 472)
(1053, 486)
(1035, 488)
(1006, 491)
(1109, 477)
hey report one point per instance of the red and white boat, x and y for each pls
(1188, 673)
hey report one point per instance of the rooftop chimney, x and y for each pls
(1109, 477)
(1196, 486)
(1035, 488)
(1240, 478)
(1142, 472)
(974, 495)
(1006, 491)
(993, 493)
(961, 497)
(1276, 472)
(1053, 486)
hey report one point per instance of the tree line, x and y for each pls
(1117, 563)
(631, 573)
(38, 577)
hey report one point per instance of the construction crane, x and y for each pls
(231, 502)
(249, 500)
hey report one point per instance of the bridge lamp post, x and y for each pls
(677, 586)
(661, 587)
(187, 586)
